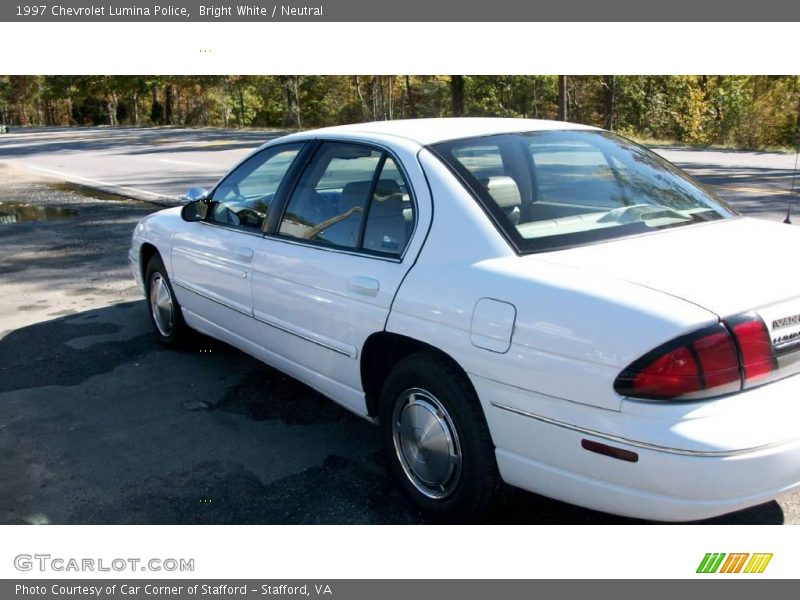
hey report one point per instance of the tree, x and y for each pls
(608, 102)
(412, 106)
(740, 110)
(293, 101)
(156, 108)
(562, 98)
(168, 94)
(457, 94)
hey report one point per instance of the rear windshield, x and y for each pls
(555, 189)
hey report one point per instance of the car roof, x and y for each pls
(431, 131)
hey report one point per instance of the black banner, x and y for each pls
(372, 589)
(405, 11)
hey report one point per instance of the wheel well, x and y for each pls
(146, 252)
(381, 352)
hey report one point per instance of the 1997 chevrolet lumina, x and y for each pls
(530, 302)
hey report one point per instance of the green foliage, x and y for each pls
(737, 110)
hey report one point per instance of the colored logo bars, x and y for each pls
(734, 563)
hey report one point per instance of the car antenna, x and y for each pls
(788, 219)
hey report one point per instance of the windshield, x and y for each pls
(556, 189)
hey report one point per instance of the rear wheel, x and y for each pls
(437, 440)
(164, 310)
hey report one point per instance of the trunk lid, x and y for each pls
(727, 267)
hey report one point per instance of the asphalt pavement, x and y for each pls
(162, 163)
(99, 424)
(151, 164)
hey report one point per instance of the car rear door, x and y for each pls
(325, 278)
(212, 260)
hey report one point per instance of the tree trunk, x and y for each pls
(136, 109)
(180, 119)
(381, 99)
(240, 93)
(390, 90)
(168, 105)
(412, 106)
(111, 108)
(361, 102)
(296, 91)
(457, 94)
(797, 140)
(608, 101)
(293, 100)
(373, 98)
(562, 98)
(704, 86)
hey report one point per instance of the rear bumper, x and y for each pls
(689, 465)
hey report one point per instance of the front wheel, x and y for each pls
(434, 432)
(163, 308)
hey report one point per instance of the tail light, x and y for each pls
(713, 361)
(755, 347)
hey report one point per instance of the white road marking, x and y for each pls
(761, 191)
(182, 162)
(108, 184)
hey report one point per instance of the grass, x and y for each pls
(649, 141)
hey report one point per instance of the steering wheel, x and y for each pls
(249, 218)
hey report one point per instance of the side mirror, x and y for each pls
(194, 194)
(195, 211)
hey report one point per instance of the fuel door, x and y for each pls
(492, 325)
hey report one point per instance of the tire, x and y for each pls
(163, 308)
(449, 470)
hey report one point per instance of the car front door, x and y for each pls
(212, 259)
(325, 278)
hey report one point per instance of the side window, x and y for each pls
(390, 219)
(244, 198)
(351, 196)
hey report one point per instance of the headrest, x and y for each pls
(355, 193)
(503, 190)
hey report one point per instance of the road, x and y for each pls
(162, 163)
(150, 164)
(98, 424)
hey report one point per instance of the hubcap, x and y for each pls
(161, 304)
(426, 443)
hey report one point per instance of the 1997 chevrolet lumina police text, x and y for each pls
(530, 302)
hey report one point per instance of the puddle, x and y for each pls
(86, 192)
(20, 212)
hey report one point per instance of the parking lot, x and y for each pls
(98, 424)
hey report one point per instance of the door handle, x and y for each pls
(366, 286)
(244, 253)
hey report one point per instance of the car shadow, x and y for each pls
(100, 424)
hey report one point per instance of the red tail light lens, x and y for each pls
(717, 360)
(755, 346)
(698, 365)
(719, 363)
(672, 374)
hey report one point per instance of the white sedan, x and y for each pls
(537, 303)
